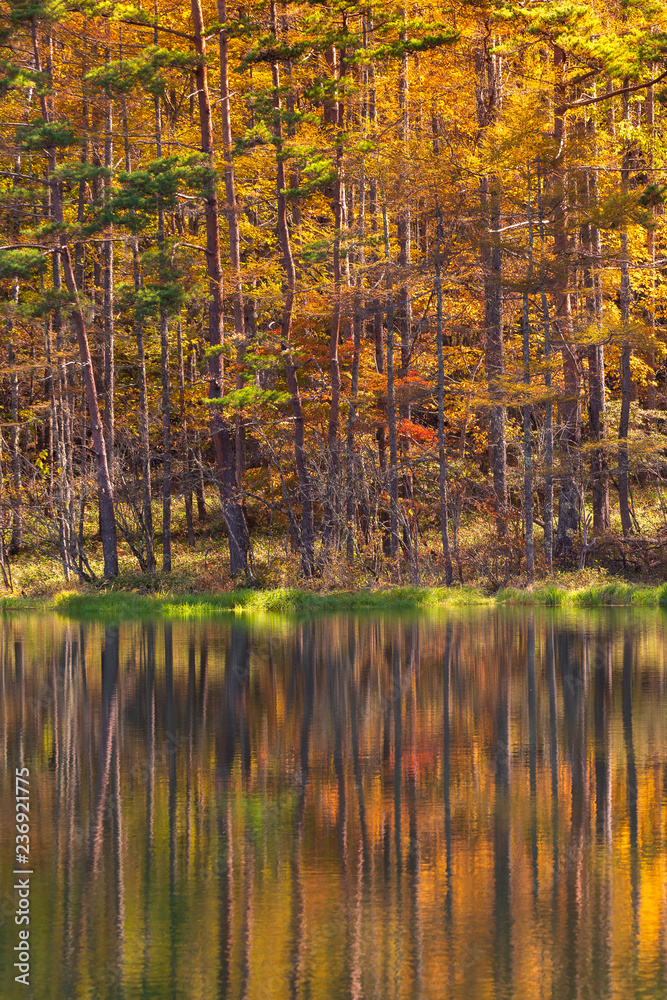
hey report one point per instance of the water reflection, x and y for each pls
(471, 806)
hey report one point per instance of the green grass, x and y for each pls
(607, 595)
(115, 603)
(284, 601)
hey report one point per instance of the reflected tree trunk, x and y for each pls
(502, 904)
(397, 697)
(631, 781)
(446, 766)
(572, 661)
(110, 667)
(602, 917)
(298, 906)
(532, 752)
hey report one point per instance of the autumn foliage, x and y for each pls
(358, 271)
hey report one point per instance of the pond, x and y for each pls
(468, 804)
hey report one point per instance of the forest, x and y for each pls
(379, 283)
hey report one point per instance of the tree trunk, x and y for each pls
(237, 529)
(195, 451)
(145, 451)
(570, 406)
(599, 483)
(166, 441)
(391, 395)
(442, 455)
(488, 103)
(354, 388)
(80, 246)
(596, 389)
(626, 351)
(109, 367)
(333, 484)
(199, 487)
(185, 444)
(144, 422)
(375, 308)
(104, 485)
(352, 416)
(307, 540)
(527, 450)
(105, 489)
(527, 408)
(651, 395)
(164, 355)
(548, 406)
(403, 303)
(231, 212)
(62, 444)
(16, 541)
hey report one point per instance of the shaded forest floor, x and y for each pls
(618, 572)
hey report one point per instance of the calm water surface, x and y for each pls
(462, 806)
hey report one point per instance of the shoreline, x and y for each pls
(119, 603)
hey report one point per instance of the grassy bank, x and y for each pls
(118, 603)
(200, 584)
